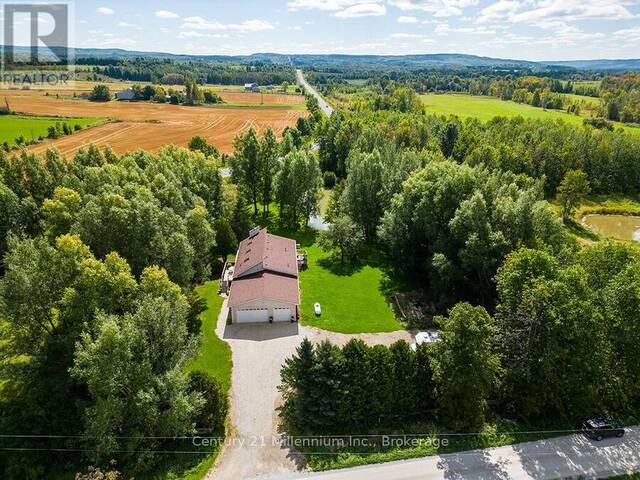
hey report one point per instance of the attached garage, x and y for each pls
(252, 316)
(264, 288)
(283, 314)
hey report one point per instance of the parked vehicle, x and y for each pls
(599, 428)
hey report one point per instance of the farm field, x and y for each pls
(231, 94)
(485, 108)
(149, 126)
(32, 128)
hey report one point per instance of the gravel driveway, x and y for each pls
(258, 353)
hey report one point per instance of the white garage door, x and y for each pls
(252, 316)
(281, 314)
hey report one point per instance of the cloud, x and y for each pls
(538, 12)
(628, 35)
(341, 8)
(407, 35)
(192, 34)
(166, 14)
(325, 5)
(362, 10)
(105, 11)
(404, 19)
(439, 8)
(498, 11)
(127, 25)
(199, 23)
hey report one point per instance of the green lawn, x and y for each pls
(12, 126)
(214, 355)
(351, 298)
(485, 108)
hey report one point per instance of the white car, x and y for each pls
(317, 309)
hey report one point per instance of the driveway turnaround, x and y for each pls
(563, 457)
(258, 351)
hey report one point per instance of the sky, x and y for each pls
(517, 29)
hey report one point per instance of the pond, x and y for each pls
(622, 227)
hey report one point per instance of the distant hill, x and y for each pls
(438, 60)
(603, 64)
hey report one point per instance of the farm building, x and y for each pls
(251, 87)
(265, 280)
(126, 94)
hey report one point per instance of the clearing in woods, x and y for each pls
(149, 126)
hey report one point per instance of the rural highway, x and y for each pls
(563, 457)
(326, 108)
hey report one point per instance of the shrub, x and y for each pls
(214, 411)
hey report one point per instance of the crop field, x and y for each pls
(149, 126)
(485, 108)
(32, 128)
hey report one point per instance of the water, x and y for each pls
(622, 227)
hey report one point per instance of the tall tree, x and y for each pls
(571, 192)
(247, 165)
(465, 367)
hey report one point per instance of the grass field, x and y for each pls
(32, 128)
(485, 108)
(351, 296)
(214, 355)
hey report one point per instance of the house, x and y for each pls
(265, 280)
(252, 87)
(126, 94)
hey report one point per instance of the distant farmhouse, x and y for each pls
(126, 94)
(252, 87)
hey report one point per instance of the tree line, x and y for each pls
(110, 247)
(561, 346)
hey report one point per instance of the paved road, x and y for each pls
(326, 108)
(258, 352)
(563, 457)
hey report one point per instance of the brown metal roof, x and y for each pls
(264, 285)
(266, 268)
(266, 252)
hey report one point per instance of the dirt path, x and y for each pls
(258, 353)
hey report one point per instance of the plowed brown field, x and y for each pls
(149, 126)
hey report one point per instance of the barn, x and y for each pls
(265, 287)
(126, 94)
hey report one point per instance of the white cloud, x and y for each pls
(439, 8)
(199, 23)
(127, 25)
(166, 14)
(498, 11)
(538, 12)
(404, 19)
(325, 5)
(362, 10)
(628, 35)
(105, 11)
(407, 35)
(192, 34)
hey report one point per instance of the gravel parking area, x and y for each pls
(258, 353)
